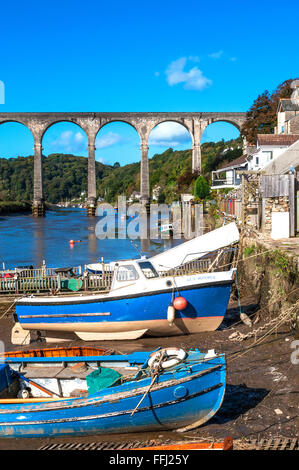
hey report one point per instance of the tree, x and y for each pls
(262, 116)
(259, 118)
(201, 188)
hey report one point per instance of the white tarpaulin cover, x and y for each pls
(197, 247)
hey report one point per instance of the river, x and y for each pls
(25, 240)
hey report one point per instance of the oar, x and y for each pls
(43, 389)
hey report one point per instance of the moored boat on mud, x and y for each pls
(138, 299)
(139, 302)
(171, 390)
(62, 371)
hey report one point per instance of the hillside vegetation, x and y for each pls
(65, 176)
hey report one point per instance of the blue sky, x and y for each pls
(139, 56)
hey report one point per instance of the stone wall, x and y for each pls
(293, 125)
(274, 204)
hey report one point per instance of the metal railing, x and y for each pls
(43, 282)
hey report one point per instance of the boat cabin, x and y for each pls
(126, 272)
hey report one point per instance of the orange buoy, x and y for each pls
(180, 303)
(72, 242)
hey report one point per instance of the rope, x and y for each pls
(238, 292)
(237, 336)
(5, 313)
(155, 372)
(261, 340)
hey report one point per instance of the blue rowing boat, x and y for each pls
(171, 390)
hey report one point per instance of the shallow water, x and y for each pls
(25, 240)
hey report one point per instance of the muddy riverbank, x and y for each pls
(262, 394)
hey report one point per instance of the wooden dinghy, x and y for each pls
(75, 351)
(61, 372)
(172, 389)
(227, 444)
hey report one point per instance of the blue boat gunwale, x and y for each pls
(105, 298)
(118, 392)
(135, 358)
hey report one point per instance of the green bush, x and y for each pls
(201, 188)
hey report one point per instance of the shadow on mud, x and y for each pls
(237, 401)
(232, 315)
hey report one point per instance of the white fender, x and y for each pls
(171, 314)
(177, 355)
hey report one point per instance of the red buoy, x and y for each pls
(72, 242)
(180, 303)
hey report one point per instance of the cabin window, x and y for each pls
(127, 273)
(148, 269)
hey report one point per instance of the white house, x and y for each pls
(288, 112)
(226, 175)
(135, 196)
(156, 192)
(269, 147)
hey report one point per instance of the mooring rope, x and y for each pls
(155, 371)
(6, 312)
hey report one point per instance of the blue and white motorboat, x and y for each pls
(173, 389)
(139, 302)
(140, 296)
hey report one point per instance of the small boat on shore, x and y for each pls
(227, 444)
(139, 302)
(62, 371)
(71, 352)
(139, 299)
(173, 389)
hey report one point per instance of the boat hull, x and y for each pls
(180, 399)
(120, 317)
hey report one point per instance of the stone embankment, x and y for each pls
(270, 270)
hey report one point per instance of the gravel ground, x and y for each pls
(262, 395)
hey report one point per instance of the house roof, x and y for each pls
(286, 104)
(277, 139)
(237, 162)
(281, 165)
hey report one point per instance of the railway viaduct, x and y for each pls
(91, 123)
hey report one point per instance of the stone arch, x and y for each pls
(236, 124)
(233, 122)
(120, 120)
(60, 121)
(16, 121)
(177, 121)
(22, 127)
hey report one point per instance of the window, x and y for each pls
(268, 156)
(127, 273)
(257, 160)
(148, 269)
